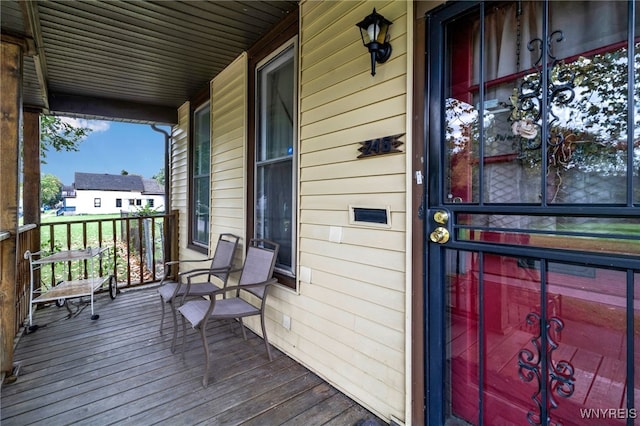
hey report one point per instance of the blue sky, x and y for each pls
(110, 148)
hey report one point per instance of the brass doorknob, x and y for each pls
(441, 217)
(439, 235)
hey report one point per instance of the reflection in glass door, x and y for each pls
(514, 360)
(534, 213)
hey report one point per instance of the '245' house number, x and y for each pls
(380, 146)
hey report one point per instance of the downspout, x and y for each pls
(167, 194)
(167, 191)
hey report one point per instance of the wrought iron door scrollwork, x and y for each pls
(559, 377)
(526, 103)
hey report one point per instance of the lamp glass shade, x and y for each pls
(373, 28)
(381, 36)
(373, 31)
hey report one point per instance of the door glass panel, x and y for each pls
(592, 234)
(636, 120)
(636, 339)
(494, 351)
(579, 152)
(506, 175)
(462, 335)
(539, 135)
(461, 119)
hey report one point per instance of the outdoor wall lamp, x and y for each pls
(374, 30)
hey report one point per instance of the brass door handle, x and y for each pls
(441, 217)
(439, 235)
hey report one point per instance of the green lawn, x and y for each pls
(78, 232)
(604, 228)
(82, 231)
(50, 217)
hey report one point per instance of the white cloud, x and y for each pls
(94, 125)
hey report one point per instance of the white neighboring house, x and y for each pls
(94, 193)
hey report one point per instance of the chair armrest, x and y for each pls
(205, 271)
(176, 262)
(200, 271)
(245, 286)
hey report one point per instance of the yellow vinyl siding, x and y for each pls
(372, 238)
(180, 179)
(344, 138)
(324, 104)
(373, 257)
(228, 141)
(332, 202)
(383, 165)
(361, 116)
(356, 185)
(179, 164)
(348, 324)
(366, 274)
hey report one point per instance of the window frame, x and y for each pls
(200, 101)
(284, 33)
(274, 58)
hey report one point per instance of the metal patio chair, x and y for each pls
(173, 292)
(255, 280)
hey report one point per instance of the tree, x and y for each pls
(50, 190)
(123, 172)
(588, 104)
(602, 79)
(59, 135)
(587, 116)
(159, 177)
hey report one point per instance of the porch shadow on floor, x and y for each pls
(120, 370)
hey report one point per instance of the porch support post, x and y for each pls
(31, 168)
(11, 51)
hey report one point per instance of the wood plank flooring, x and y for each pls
(120, 370)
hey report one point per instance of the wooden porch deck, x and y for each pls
(120, 370)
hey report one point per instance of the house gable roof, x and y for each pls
(152, 187)
(106, 182)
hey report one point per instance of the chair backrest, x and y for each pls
(223, 256)
(259, 263)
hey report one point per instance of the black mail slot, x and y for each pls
(370, 215)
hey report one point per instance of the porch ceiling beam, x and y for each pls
(32, 27)
(111, 109)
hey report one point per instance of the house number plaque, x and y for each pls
(380, 146)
